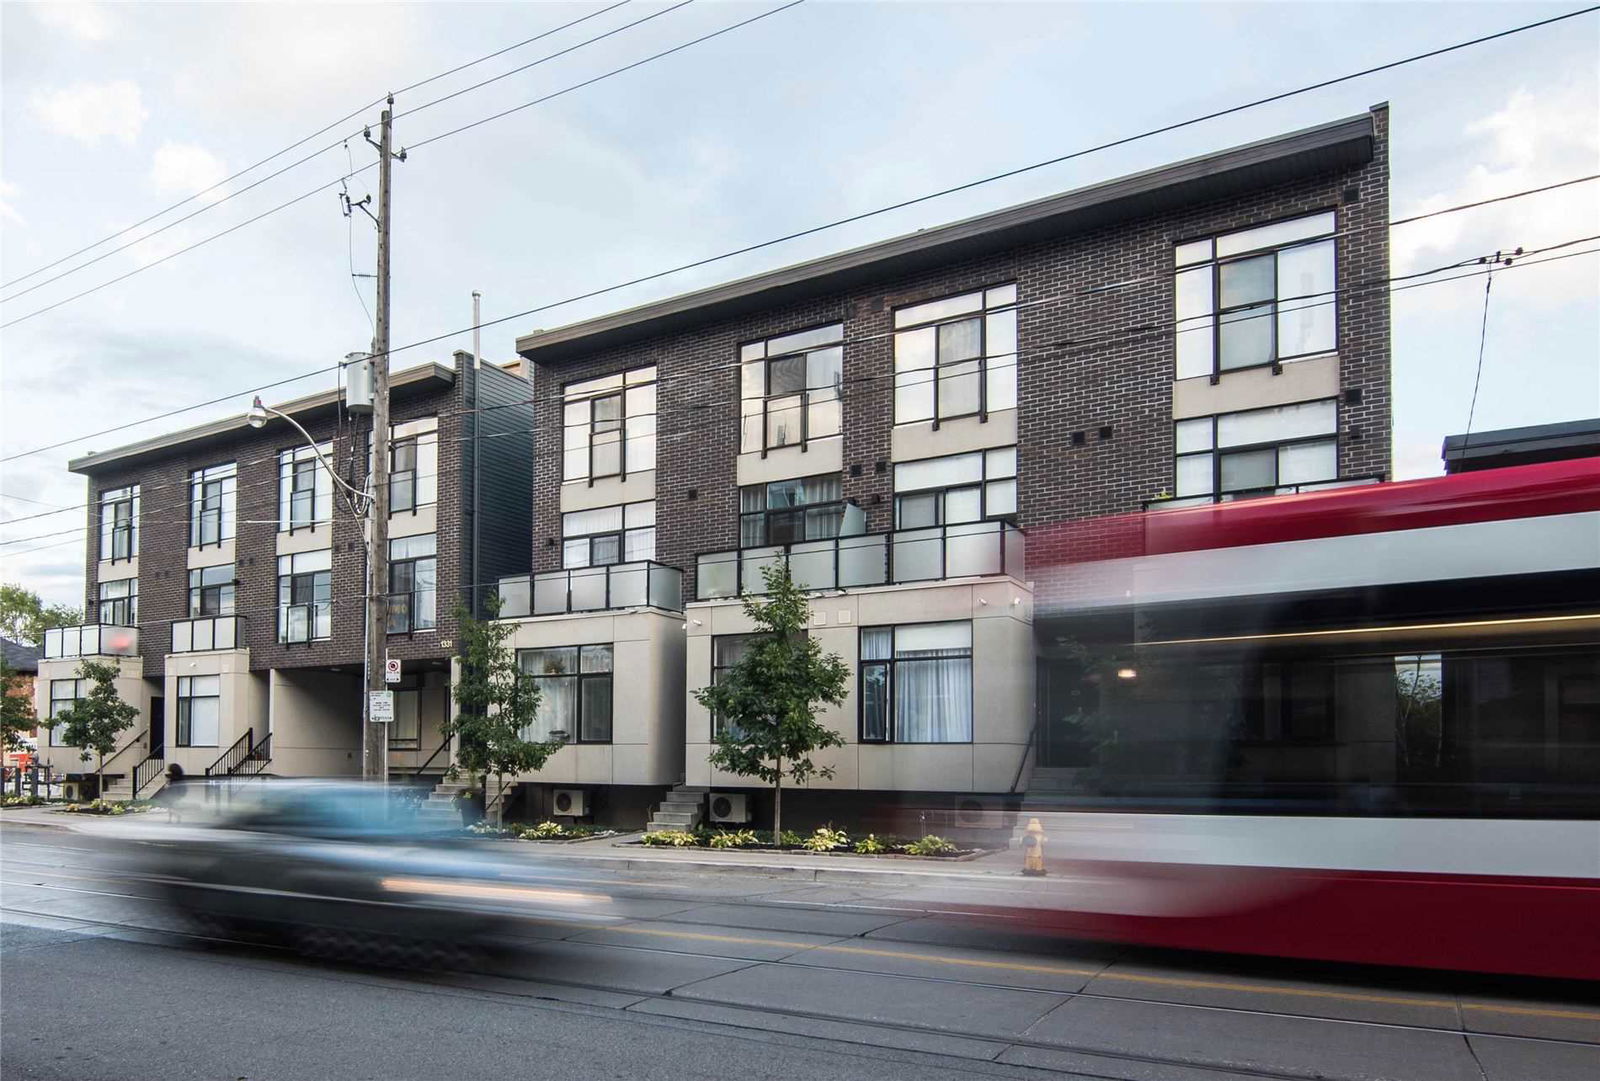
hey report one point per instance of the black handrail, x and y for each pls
(436, 753)
(256, 760)
(229, 760)
(149, 769)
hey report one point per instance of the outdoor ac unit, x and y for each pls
(72, 791)
(730, 807)
(569, 802)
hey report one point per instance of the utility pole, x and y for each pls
(375, 737)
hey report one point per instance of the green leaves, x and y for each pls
(16, 708)
(93, 722)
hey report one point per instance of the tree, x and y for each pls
(93, 723)
(497, 701)
(16, 708)
(767, 702)
(25, 618)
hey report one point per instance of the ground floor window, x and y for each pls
(199, 710)
(64, 694)
(574, 692)
(727, 650)
(916, 683)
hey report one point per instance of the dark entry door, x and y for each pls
(158, 723)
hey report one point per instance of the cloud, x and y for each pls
(89, 112)
(187, 170)
(85, 21)
(8, 196)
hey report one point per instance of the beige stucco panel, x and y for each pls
(787, 463)
(1256, 388)
(131, 687)
(115, 570)
(242, 707)
(908, 442)
(608, 491)
(212, 555)
(315, 719)
(417, 523)
(313, 539)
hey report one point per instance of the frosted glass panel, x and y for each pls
(1194, 475)
(938, 472)
(1001, 329)
(938, 309)
(1306, 324)
(1192, 435)
(1308, 462)
(1271, 236)
(1276, 425)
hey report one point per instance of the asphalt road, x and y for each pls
(685, 975)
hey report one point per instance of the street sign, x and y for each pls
(391, 670)
(380, 707)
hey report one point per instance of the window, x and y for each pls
(916, 683)
(574, 692)
(412, 582)
(211, 591)
(604, 535)
(727, 650)
(305, 491)
(956, 357)
(609, 426)
(119, 523)
(64, 694)
(971, 487)
(789, 388)
(1257, 452)
(211, 505)
(305, 596)
(413, 464)
(1256, 297)
(199, 710)
(788, 511)
(119, 602)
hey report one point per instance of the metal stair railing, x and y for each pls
(420, 770)
(256, 760)
(149, 769)
(229, 760)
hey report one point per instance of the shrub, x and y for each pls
(826, 839)
(734, 839)
(108, 807)
(870, 845)
(930, 845)
(23, 801)
(671, 839)
(489, 829)
(545, 831)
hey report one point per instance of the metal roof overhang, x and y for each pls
(309, 408)
(1340, 145)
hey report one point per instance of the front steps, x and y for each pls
(683, 808)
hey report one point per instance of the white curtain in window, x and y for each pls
(933, 683)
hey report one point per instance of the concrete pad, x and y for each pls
(948, 963)
(553, 992)
(1100, 1066)
(844, 924)
(866, 998)
(698, 938)
(1241, 988)
(1244, 1041)
(1529, 1060)
(1550, 1018)
(841, 1031)
(623, 970)
(1000, 935)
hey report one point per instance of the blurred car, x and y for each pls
(349, 871)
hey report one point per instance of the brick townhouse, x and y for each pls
(226, 574)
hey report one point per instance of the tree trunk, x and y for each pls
(777, 807)
(499, 799)
(99, 776)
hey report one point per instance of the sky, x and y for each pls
(112, 112)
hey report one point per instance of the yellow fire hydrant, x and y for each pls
(1033, 848)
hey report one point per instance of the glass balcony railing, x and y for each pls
(965, 550)
(1173, 503)
(207, 632)
(643, 584)
(91, 640)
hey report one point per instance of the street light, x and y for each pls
(258, 417)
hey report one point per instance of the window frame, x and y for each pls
(409, 564)
(981, 484)
(123, 506)
(889, 665)
(622, 534)
(225, 592)
(1216, 494)
(106, 607)
(419, 437)
(764, 362)
(183, 727)
(581, 680)
(287, 586)
(56, 704)
(294, 464)
(766, 512)
(718, 669)
(218, 483)
(617, 385)
(982, 314)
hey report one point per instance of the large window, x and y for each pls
(305, 596)
(1256, 297)
(609, 426)
(789, 388)
(1258, 451)
(604, 535)
(727, 650)
(574, 692)
(956, 357)
(788, 511)
(305, 491)
(970, 487)
(412, 584)
(119, 602)
(119, 523)
(64, 694)
(199, 710)
(916, 683)
(413, 464)
(211, 504)
(211, 591)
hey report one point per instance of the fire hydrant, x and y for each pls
(1033, 848)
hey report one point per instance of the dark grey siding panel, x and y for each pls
(505, 450)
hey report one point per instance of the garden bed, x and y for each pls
(544, 832)
(108, 807)
(825, 841)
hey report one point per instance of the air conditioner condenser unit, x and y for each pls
(569, 803)
(732, 807)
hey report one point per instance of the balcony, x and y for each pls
(91, 640)
(302, 624)
(967, 550)
(1172, 503)
(207, 632)
(643, 584)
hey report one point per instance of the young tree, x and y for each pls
(16, 708)
(767, 702)
(496, 701)
(25, 618)
(93, 723)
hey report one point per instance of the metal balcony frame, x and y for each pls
(238, 633)
(607, 571)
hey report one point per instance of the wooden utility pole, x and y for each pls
(375, 736)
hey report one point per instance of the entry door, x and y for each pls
(158, 723)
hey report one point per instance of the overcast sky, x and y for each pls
(114, 111)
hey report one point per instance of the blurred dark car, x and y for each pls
(344, 870)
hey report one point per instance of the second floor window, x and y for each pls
(956, 357)
(574, 692)
(211, 591)
(1256, 297)
(601, 536)
(64, 694)
(789, 388)
(305, 596)
(305, 491)
(119, 523)
(1258, 451)
(119, 602)
(609, 426)
(199, 710)
(413, 584)
(972, 487)
(414, 465)
(787, 511)
(211, 505)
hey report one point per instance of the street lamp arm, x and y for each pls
(258, 417)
